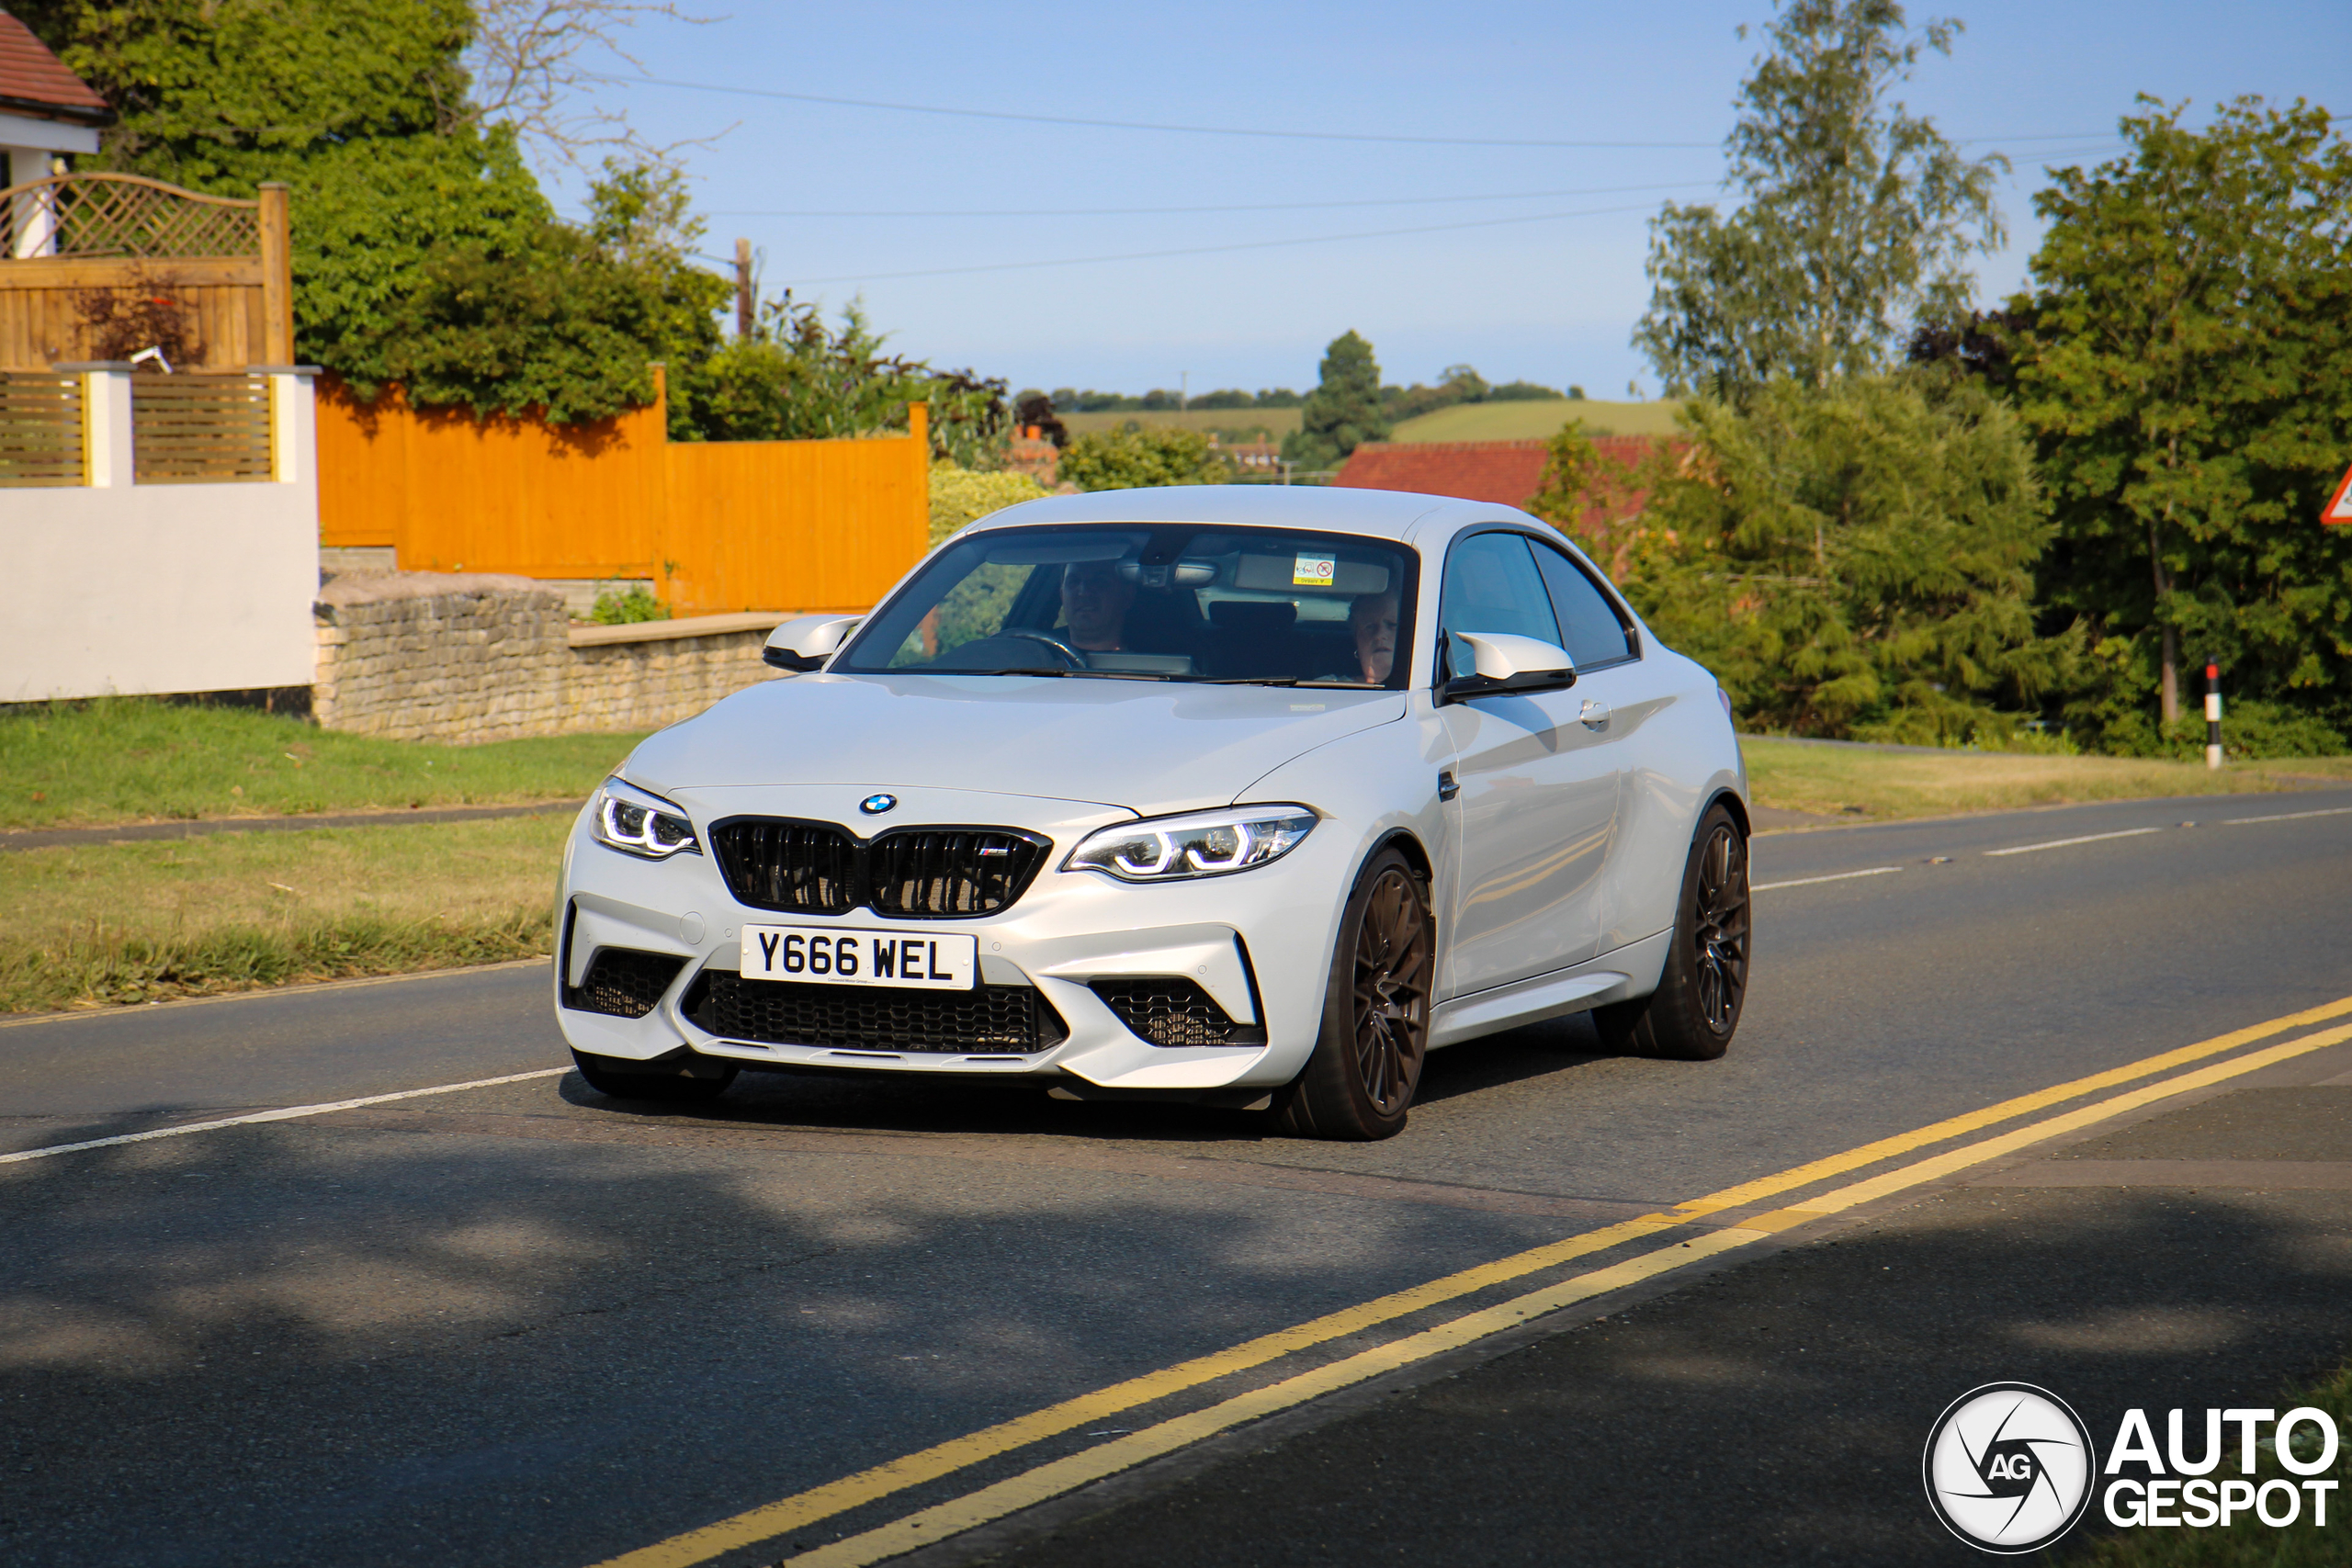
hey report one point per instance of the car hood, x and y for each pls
(1144, 746)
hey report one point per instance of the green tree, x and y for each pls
(1343, 411)
(2184, 363)
(565, 320)
(1856, 561)
(1141, 459)
(1856, 217)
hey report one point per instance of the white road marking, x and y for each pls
(2288, 816)
(1834, 876)
(286, 1114)
(2062, 843)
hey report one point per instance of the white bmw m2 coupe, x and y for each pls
(1252, 795)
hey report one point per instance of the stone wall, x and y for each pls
(463, 659)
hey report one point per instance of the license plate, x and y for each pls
(836, 957)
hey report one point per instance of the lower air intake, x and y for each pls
(987, 1020)
(1172, 1010)
(623, 982)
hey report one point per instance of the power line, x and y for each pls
(1199, 129)
(1254, 207)
(1126, 124)
(1211, 250)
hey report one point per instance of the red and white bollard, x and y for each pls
(2212, 714)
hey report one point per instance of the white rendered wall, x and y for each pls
(157, 588)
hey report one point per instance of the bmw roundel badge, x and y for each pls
(875, 805)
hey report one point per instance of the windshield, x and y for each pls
(1158, 601)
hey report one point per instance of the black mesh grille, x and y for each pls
(803, 868)
(1013, 1020)
(623, 982)
(912, 873)
(1172, 1010)
(942, 874)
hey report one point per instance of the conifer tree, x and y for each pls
(1343, 411)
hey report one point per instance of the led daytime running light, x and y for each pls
(635, 823)
(1207, 843)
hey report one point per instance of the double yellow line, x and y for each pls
(1068, 1473)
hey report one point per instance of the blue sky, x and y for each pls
(1551, 300)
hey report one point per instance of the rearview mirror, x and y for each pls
(807, 641)
(1505, 663)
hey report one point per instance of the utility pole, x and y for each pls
(742, 288)
(1183, 391)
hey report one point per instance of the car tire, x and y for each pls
(1367, 1063)
(613, 1077)
(1695, 1011)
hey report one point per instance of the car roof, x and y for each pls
(1382, 513)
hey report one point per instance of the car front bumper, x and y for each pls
(1258, 941)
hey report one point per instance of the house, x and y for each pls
(47, 114)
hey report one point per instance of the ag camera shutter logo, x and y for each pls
(2009, 1468)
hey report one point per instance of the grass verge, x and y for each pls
(2246, 1542)
(88, 925)
(1860, 785)
(129, 759)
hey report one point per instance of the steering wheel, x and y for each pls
(1070, 657)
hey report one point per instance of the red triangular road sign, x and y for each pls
(2340, 509)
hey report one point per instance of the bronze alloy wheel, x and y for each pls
(1693, 1014)
(1719, 929)
(1360, 1080)
(1392, 992)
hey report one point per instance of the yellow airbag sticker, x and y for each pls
(1314, 572)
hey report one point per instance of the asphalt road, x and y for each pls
(523, 1325)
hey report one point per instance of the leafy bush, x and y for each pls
(1141, 459)
(628, 608)
(963, 495)
(1857, 559)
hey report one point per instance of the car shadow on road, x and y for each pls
(912, 1102)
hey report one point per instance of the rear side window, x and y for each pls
(1492, 585)
(1590, 629)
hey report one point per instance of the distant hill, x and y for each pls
(1534, 421)
(1230, 424)
(1463, 422)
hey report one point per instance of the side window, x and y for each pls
(1492, 585)
(1592, 633)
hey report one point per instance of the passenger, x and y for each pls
(1095, 601)
(1372, 619)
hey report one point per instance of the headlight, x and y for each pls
(1203, 843)
(635, 823)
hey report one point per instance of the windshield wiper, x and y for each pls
(1091, 674)
(1287, 681)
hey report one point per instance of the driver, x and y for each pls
(1372, 619)
(1095, 601)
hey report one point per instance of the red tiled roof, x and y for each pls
(33, 81)
(1507, 471)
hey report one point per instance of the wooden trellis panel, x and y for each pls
(41, 431)
(222, 263)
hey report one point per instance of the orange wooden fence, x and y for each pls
(718, 526)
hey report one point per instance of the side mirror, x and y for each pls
(807, 641)
(1506, 663)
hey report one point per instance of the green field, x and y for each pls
(1229, 425)
(129, 760)
(1463, 422)
(1536, 421)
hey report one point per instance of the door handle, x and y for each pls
(1594, 715)
(1447, 788)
